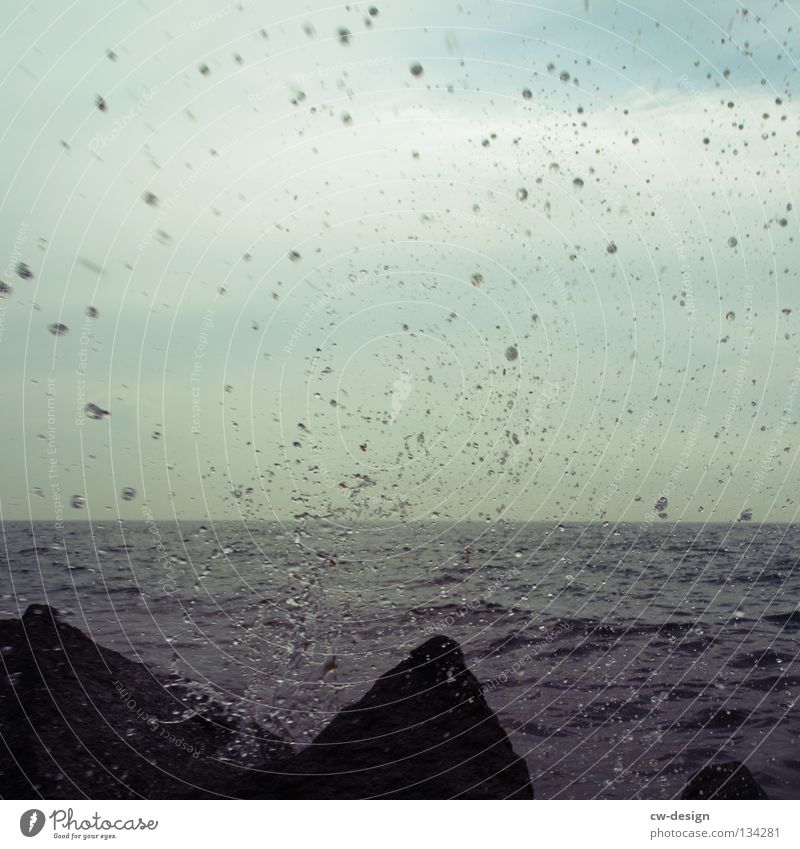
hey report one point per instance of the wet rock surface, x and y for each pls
(423, 731)
(79, 720)
(732, 780)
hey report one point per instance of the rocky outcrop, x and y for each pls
(424, 731)
(732, 780)
(79, 720)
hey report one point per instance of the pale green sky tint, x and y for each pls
(549, 274)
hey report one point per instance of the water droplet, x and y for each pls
(95, 412)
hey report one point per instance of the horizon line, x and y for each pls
(555, 522)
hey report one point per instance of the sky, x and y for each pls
(402, 261)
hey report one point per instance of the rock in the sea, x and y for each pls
(79, 720)
(732, 780)
(423, 731)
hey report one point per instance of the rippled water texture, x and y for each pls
(619, 659)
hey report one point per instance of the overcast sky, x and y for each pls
(466, 259)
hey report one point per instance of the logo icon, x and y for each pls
(31, 822)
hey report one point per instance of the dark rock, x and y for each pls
(424, 731)
(79, 720)
(732, 780)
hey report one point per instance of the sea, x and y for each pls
(620, 658)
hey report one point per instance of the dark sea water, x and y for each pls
(620, 659)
